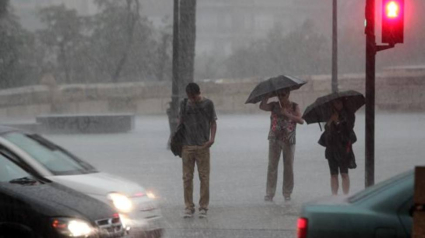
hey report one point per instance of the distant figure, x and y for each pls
(338, 139)
(285, 115)
(199, 119)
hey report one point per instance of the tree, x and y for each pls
(114, 45)
(351, 59)
(303, 51)
(247, 61)
(63, 37)
(162, 69)
(123, 41)
(17, 66)
(307, 51)
(4, 4)
(133, 15)
(209, 66)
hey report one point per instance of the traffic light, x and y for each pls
(392, 21)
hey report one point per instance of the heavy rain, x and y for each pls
(92, 91)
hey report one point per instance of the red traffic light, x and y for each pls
(392, 9)
(392, 21)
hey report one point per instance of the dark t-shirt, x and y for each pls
(197, 121)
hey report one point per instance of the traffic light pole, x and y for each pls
(371, 50)
(370, 94)
(334, 46)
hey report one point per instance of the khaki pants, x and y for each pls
(275, 149)
(201, 156)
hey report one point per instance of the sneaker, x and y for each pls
(268, 199)
(188, 213)
(203, 213)
(287, 198)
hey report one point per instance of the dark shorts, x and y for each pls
(334, 164)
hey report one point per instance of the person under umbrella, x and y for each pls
(285, 115)
(337, 110)
(338, 145)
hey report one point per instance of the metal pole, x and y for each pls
(174, 106)
(334, 47)
(419, 201)
(370, 93)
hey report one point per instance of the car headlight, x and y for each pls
(151, 195)
(72, 227)
(121, 202)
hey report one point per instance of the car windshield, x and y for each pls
(9, 171)
(51, 156)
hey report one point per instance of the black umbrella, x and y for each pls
(321, 109)
(272, 85)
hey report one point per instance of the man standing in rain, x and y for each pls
(285, 115)
(199, 119)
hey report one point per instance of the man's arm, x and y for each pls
(213, 125)
(213, 132)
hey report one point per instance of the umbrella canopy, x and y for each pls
(272, 85)
(321, 109)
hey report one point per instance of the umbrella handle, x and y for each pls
(318, 120)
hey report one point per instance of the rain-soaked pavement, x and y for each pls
(238, 169)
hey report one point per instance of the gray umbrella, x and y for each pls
(272, 85)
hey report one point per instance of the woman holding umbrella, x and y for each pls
(337, 110)
(338, 139)
(285, 115)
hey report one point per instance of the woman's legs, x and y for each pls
(339, 167)
(275, 149)
(288, 171)
(333, 167)
(345, 183)
(334, 184)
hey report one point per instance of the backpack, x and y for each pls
(177, 138)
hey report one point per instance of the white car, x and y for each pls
(137, 207)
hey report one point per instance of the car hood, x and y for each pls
(55, 200)
(98, 184)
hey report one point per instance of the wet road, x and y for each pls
(239, 164)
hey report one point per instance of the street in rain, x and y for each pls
(123, 104)
(239, 168)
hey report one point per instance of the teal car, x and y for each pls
(382, 210)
